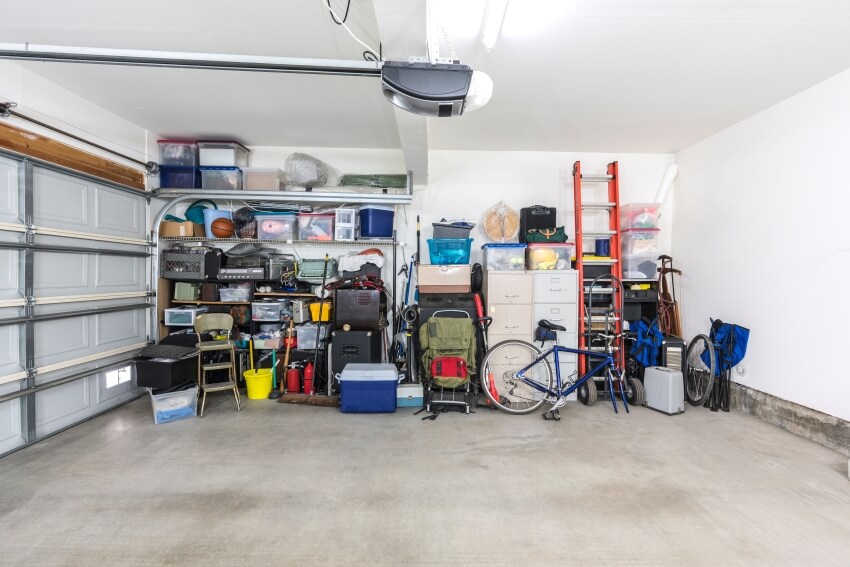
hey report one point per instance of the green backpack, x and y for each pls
(447, 336)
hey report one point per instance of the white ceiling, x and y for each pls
(571, 75)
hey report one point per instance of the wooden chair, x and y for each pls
(217, 323)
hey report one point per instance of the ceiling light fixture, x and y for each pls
(494, 15)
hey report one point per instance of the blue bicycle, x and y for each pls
(517, 378)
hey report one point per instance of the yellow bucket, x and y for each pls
(258, 383)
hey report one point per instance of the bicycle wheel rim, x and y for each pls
(700, 373)
(499, 369)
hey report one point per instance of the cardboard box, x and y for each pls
(185, 229)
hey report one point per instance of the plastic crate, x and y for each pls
(639, 215)
(639, 241)
(640, 266)
(221, 178)
(267, 311)
(315, 226)
(263, 179)
(306, 335)
(217, 153)
(178, 152)
(234, 295)
(179, 177)
(503, 257)
(449, 250)
(277, 227)
(451, 230)
(554, 256)
(172, 406)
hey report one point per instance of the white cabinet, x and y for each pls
(556, 300)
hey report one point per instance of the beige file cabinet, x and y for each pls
(555, 295)
(509, 297)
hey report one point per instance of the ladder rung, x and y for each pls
(599, 178)
(591, 234)
(598, 205)
(607, 262)
(217, 366)
(598, 289)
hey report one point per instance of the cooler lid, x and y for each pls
(369, 372)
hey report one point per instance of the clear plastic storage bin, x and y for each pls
(549, 256)
(234, 295)
(639, 215)
(172, 406)
(262, 179)
(640, 266)
(221, 178)
(267, 311)
(449, 250)
(503, 257)
(182, 153)
(277, 227)
(643, 241)
(315, 226)
(306, 335)
(222, 154)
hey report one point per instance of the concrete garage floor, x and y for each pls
(289, 485)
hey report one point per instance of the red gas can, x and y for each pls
(293, 380)
(308, 379)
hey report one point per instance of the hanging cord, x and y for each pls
(370, 54)
(6, 111)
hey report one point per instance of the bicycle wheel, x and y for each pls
(499, 381)
(700, 376)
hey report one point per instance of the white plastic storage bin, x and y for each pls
(640, 266)
(345, 224)
(306, 335)
(639, 215)
(639, 241)
(262, 179)
(183, 153)
(277, 227)
(502, 257)
(315, 226)
(172, 406)
(182, 316)
(221, 178)
(234, 295)
(222, 154)
(267, 311)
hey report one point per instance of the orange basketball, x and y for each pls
(222, 228)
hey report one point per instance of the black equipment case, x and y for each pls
(536, 216)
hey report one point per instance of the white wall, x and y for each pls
(55, 105)
(761, 234)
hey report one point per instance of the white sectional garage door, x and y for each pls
(74, 301)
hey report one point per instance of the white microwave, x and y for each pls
(183, 316)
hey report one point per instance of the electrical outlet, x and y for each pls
(741, 369)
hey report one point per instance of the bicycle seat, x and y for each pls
(549, 325)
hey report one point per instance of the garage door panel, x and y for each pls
(63, 339)
(119, 273)
(11, 435)
(119, 213)
(9, 275)
(60, 201)
(119, 329)
(59, 406)
(10, 349)
(9, 196)
(61, 274)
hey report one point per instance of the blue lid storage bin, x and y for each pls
(449, 250)
(179, 177)
(376, 221)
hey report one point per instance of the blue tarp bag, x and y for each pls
(730, 345)
(647, 344)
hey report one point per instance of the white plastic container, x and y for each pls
(263, 179)
(345, 224)
(266, 311)
(182, 153)
(182, 316)
(234, 295)
(306, 335)
(504, 256)
(551, 256)
(215, 153)
(315, 226)
(640, 266)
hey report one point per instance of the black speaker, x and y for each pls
(355, 346)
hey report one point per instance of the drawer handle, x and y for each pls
(512, 326)
(552, 289)
(514, 295)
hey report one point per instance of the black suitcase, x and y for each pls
(536, 216)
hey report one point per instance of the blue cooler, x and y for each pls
(368, 388)
(376, 221)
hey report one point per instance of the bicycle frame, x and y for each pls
(561, 391)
